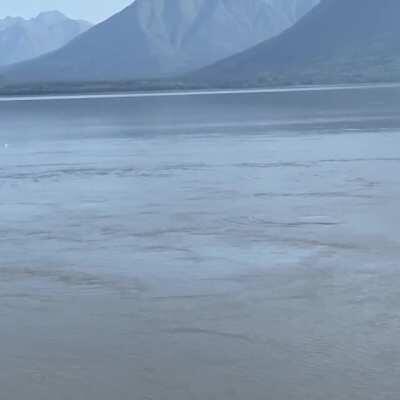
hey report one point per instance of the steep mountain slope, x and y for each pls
(154, 38)
(22, 39)
(339, 40)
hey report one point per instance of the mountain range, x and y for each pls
(230, 43)
(22, 39)
(338, 41)
(160, 38)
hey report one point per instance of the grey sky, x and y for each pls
(92, 10)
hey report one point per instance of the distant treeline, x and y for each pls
(329, 75)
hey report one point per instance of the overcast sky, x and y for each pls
(92, 10)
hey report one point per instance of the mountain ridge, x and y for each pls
(160, 38)
(338, 41)
(22, 39)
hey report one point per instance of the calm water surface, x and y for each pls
(231, 246)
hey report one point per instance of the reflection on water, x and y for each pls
(200, 247)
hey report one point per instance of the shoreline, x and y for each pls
(111, 94)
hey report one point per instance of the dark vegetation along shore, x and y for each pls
(70, 88)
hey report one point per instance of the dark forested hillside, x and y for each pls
(338, 41)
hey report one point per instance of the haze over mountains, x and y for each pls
(157, 38)
(338, 41)
(22, 39)
(222, 41)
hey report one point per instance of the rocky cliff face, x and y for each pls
(188, 33)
